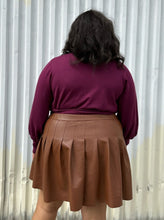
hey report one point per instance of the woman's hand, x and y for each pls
(33, 155)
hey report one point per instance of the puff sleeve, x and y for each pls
(41, 105)
(128, 108)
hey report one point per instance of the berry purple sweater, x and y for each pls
(69, 88)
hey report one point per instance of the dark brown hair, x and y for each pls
(92, 39)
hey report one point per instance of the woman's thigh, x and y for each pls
(96, 212)
(47, 206)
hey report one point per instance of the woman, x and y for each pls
(80, 148)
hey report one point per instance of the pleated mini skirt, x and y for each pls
(82, 159)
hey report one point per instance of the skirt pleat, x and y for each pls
(82, 161)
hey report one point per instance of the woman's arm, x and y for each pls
(41, 105)
(128, 109)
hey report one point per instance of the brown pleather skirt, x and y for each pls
(82, 159)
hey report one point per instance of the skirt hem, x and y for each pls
(86, 204)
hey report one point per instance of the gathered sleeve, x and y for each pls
(128, 108)
(41, 105)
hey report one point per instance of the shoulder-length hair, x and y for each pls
(92, 39)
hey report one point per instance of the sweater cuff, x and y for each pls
(34, 150)
(34, 146)
(127, 141)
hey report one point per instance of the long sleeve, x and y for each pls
(128, 109)
(41, 105)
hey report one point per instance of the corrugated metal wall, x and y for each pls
(34, 31)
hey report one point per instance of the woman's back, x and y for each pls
(78, 88)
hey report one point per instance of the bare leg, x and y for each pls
(44, 210)
(97, 212)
